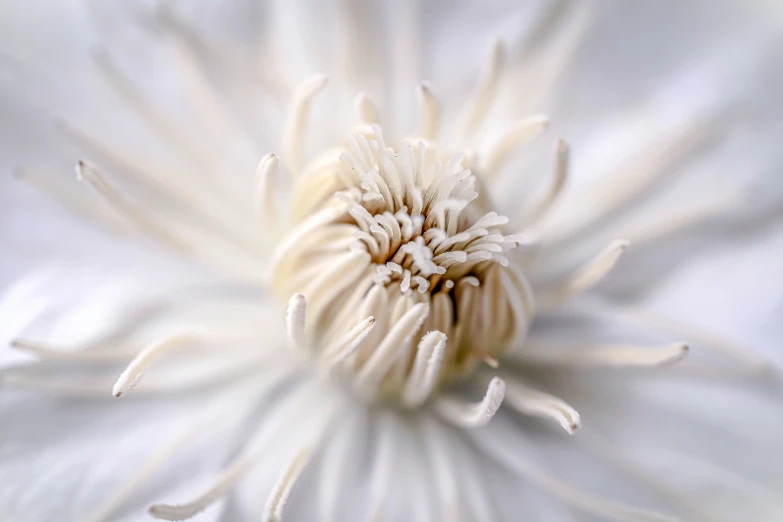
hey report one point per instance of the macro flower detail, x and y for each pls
(403, 242)
(395, 310)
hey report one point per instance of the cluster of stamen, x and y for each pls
(406, 240)
(419, 240)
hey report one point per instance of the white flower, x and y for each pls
(390, 320)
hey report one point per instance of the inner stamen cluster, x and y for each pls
(405, 240)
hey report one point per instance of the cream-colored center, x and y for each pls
(392, 233)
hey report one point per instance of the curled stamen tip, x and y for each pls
(166, 512)
(491, 361)
(621, 245)
(424, 88)
(315, 83)
(487, 358)
(496, 391)
(269, 157)
(681, 351)
(498, 49)
(123, 384)
(81, 169)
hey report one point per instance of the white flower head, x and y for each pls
(391, 324)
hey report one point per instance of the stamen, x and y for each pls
(348, 345)
(485, 93)
(97, 388)
(549, 353)
(266, 190)
(92, 177)
(426, 368)
(646, 319)
(529, 401)
(131, 375)
(588, 275)
(430, 112)
(49, 187)
(296, 124)
(81, 389)
(82, 356)
(412, 230)
(521, 132)
(225, 481)
(278, 498)
(470, 415)
(293, 240)
(486, 357)
(384, 356)
(365, 108)
(295, 322)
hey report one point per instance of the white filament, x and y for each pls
(83, 356)
(430, 112)
(588, 275)
(296, 124)
(131, 375)
(552, 353)
(348, 345)
(485, 94)
(648, 319)
(519, 133)
(224, 482)
(295, 322)
(278, 498)
(365, 108)
(369, 378)
(266, 190)
(529, 401)
(426, 368)
(469, 415)
(90, 175)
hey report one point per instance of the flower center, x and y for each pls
(397, 234)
